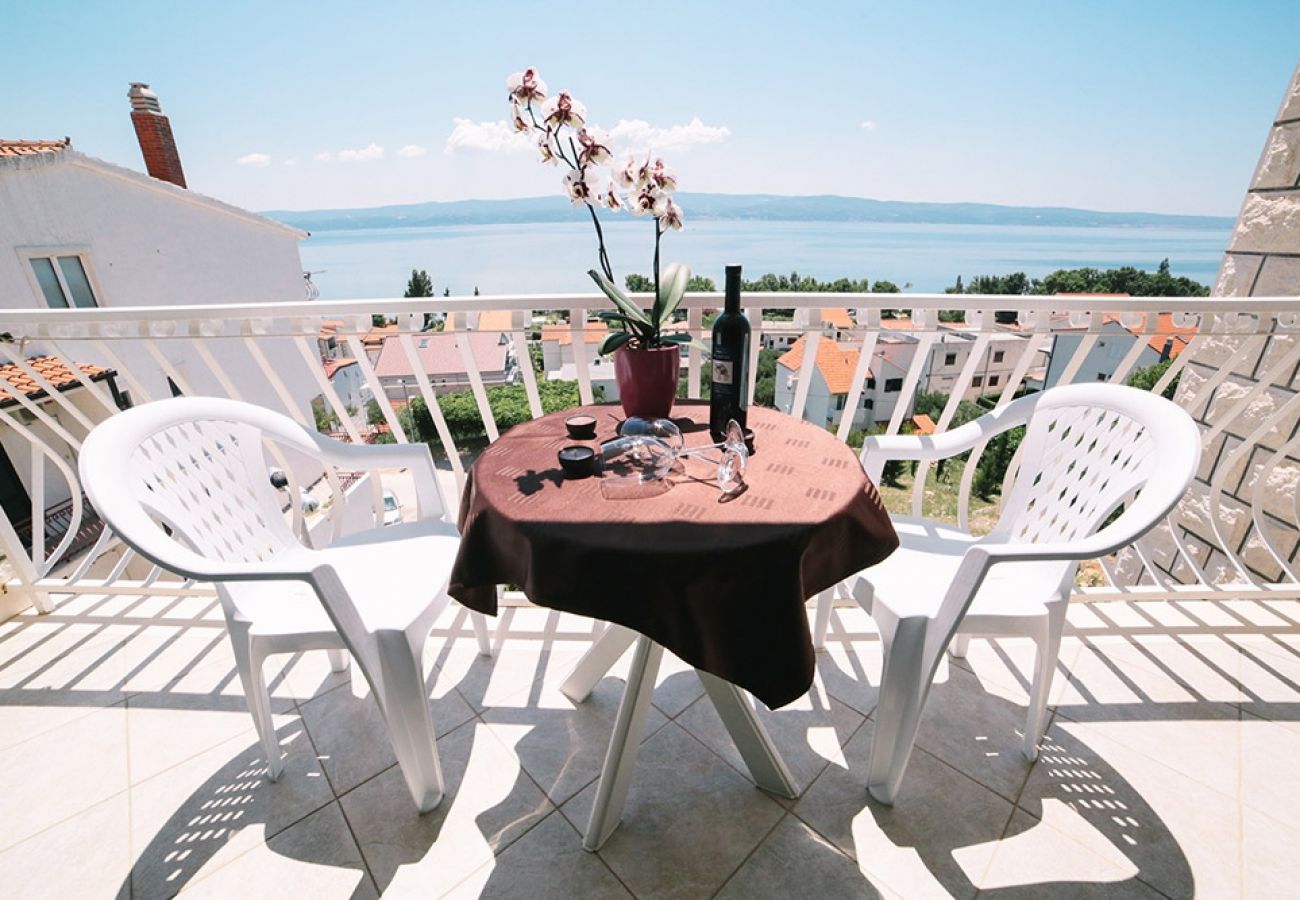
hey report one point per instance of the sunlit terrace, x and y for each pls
(131, 767)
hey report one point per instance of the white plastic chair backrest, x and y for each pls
(1087, 450)
(198, 466)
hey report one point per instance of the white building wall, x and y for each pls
(148, 243)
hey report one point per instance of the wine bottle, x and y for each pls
(729, 391)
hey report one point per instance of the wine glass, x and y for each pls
(665, 430)
(646, 453)
(731, 462)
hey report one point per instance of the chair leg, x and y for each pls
(402, 699)
(825, 601)
(481, 632)
(1049, 648)
(248, 661)
(960, 644)
(338, 660)
(903, 689)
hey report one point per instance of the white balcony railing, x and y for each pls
(1234, 535)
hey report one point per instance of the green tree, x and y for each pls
(420, 285)
(642, 284)
(374, 415)
(1146, 378)
(326, 420)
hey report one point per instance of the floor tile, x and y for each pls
(848, 668)
(350, 735)
(1270, 863)
(809, 733)
(561, 744)
(1060, 855)
(195, 817)
(489, 802)
(58, 774)
(1183, 837)
(682, 798)
(795, 861)
(908, 847)
(315, 858)
(547, 863)
(99, 837)
(1270, 770)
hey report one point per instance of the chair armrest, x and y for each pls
(878, 448)
(415, 457)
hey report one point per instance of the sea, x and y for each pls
(554, 257)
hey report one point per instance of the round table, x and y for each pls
(721, 584)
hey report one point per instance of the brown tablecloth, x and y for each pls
(721, 584)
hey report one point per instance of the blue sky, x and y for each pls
(1153, 106)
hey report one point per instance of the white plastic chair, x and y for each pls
(184, 482)
(1087, 450)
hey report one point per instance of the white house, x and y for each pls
(77, 231)
(1112, 345)
(440, 356)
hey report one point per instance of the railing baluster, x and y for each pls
(581, 366)
(870, 331)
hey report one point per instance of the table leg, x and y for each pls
(737, 713)
(598, 660)
(620, 758)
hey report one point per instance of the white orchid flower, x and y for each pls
(625, 175)
(671, 217)
(562, 110)
(544, 147)
(645, 200)
(609, 197)
(593, 146)
(583, 186)
(664, 178)
(525, 87)
(517, 117)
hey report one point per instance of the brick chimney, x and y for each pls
(154, 131)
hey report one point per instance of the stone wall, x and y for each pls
(1262, 260)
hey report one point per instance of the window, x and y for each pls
(839, 401)
(1101, 376)
(893, 385)
(997, 355)
(63, 281)
(950, 359)
(993, 381)
(977, 381)
(868, 403)
(871, 384)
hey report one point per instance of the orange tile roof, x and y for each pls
(328, 328)
(494, 320)
(923, 424)
(49, 368)
(837, 316)
(837, 364)
(897, 324)
(592, 332)
(30, 148)
(1165, 331)
(331, 366)
(375, 336)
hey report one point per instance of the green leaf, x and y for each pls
(613, 342)
(681, 338)
(672, 287)
(620, 299)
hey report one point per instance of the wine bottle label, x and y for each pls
(723, 371)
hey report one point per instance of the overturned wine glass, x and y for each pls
(647, 450)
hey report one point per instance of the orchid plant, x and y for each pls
(643, 187)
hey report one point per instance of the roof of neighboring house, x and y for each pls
(837, 316)
(494, 320)
(15, 380)
(1165, 331)
(593, 332)
(328, 328)
(29, 155)
(332, 366)
(923, 424)
(377, 335)
(836, 363)
(27, 148)
(440, 355)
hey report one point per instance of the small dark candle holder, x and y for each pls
(581, 428)
(577, 461)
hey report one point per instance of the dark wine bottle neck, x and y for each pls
(732, 301)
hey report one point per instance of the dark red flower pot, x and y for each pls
(647, 380)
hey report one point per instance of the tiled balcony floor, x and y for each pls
(129, 767)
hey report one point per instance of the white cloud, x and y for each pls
(411, 151)
(256, 160)
(488, 137)
(291, 162)
(323, 157)
(869, 125)
(365, 154)
(637, 135)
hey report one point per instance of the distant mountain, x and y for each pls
(744, 207)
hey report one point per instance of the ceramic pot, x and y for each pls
(647, 380)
